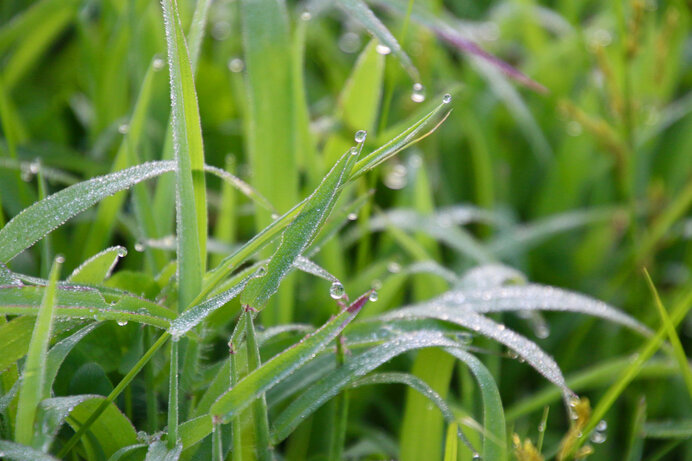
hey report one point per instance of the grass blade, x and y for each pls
(98, 268)
(36, 221)
(18, 452)
(678, 351)
(298, 236)
(279, 367)
(361, 12)
(34, 373)
(191, 205)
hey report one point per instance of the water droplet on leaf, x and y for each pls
(122, 323)
(383, 49)
(236, 65)
(336, 291)
(361, 135)
(418, 94)
(447, 98)
(373, 296)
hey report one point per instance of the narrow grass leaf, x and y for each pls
(196, 314)
(525, 348)
(57, 354)
(329, 386)
(98, 268)
(18, 452)
(536, 297)
(191, 204)
(34, 372)
(678, 350)
(298, 236)
(36, 221)
(361, 12)
(494, 433)
(279, 367)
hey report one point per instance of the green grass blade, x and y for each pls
(15, 336)
(57, 354)
(191, 205)
(361, 12)
(679, 312)
(678, 429)
(678, 350)
(36, 221)
(495, 435)
(196, 314)
(259, 404)
(34, 373)
(297, 237)
(329, 386)
(279, 367)
(98, 268)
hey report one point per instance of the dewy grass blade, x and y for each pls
(97, 268)
(362, 13)
(36, 221)
(259, 405)
(280, 366)
(191, 206)
(297, 237)
(34, 373)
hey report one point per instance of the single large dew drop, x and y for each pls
(361, 135)
(383, 49)
(336, 291)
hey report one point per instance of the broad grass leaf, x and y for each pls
(14, 340)
(36, 221)
(158, 451)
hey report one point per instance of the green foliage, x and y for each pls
(433, 170)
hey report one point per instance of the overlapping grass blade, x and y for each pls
(191, 204)
(279, 367)
(525, 348)
(31, 390)
(495, 436)
(158, 451)
(261, 239)
(297, 237)
(36, 221)
(329, 386)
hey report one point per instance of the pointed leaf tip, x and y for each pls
(358, 304)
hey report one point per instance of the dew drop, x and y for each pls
(236, 65)
(541, 427)
(349, 42)
(122, 252)
(34, 166)
(394, 267)
(122, 323)
(373, 296)
(597, 437)
(602, 425)
(158, 63)
(447, 98)
(305, 16)
(139, 247)
(336, 291)
(353, 151)
(261, 271)
(352, 216)
(123, 128)
(175, 338)
(383, 49)
(361, 135)
(477, 456)
(418, 94)
(60, 259)
(275, 216)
